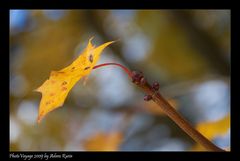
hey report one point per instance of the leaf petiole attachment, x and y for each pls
(126, 70)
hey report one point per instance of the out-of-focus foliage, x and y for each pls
(181, 61)
(187, 51)
(104, 141)
(212, 130)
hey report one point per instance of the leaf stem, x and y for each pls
(116, 64)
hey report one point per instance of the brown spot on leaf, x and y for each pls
(64, 88)
(72, 69)
(52, 81)
(48, 102)
(52, 94)
(91, 58)
(64, 83)
(41, 113)
(86, 68)
(54, 74)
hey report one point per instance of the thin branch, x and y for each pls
(141, 82)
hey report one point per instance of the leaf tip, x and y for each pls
(91, 39)
(39, 119)
(111, 42)
(40, 116)
(117, 40)
(36, 90)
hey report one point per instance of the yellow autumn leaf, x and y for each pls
(212, 129)
(56, 88)
(104, 141)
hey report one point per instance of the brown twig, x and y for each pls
(153, 94)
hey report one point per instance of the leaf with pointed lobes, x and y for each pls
(55, 89)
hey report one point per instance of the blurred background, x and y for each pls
(186, 51)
